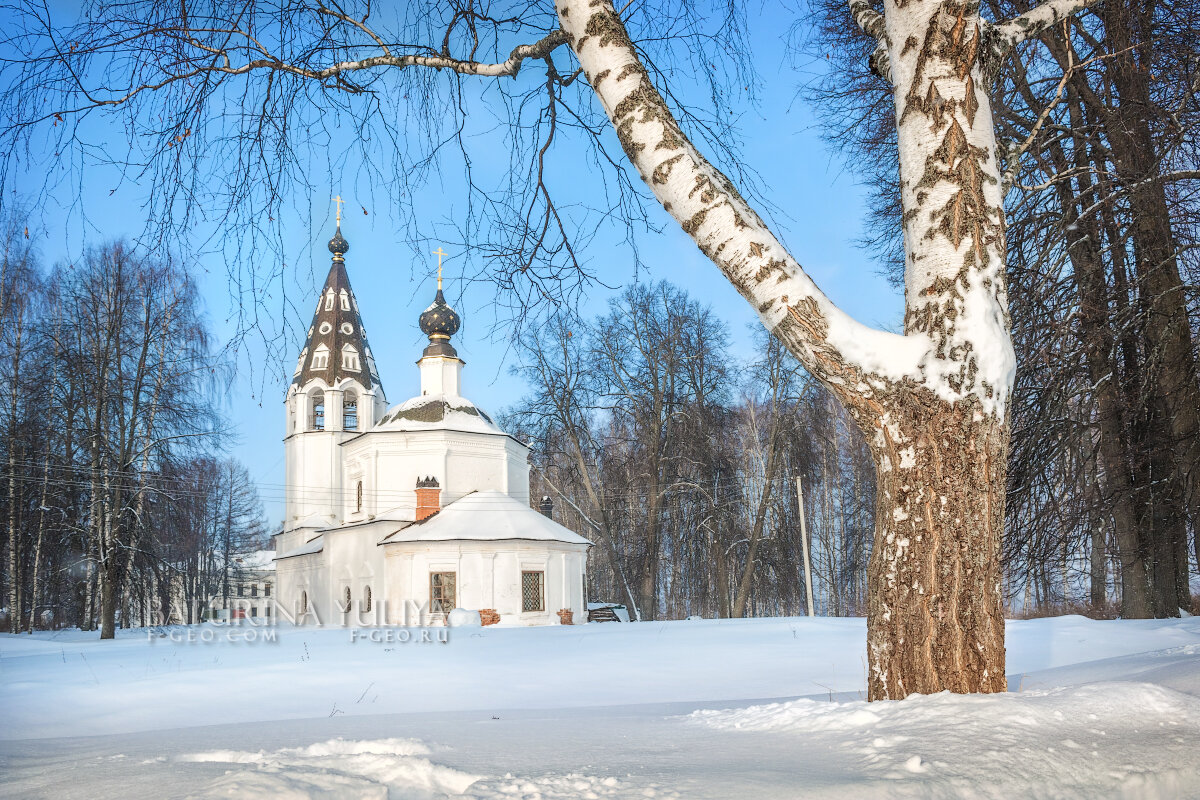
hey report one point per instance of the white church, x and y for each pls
(400, 515)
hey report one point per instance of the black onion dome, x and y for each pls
(440, 319)
(338, 244)
(439, 322)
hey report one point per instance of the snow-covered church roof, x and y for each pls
(436, 411)
(259, 559)
(486, 516)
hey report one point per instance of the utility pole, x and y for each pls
(804, 546)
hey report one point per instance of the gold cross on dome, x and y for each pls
(338, 201)
(439, 253)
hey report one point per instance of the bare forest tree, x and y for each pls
(932, 403)
(213, 519)
(109, 395)
(18, 292)
(710, 505)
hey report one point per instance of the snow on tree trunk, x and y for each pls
(933, 403)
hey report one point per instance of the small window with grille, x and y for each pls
(533, 595)
(441, 592)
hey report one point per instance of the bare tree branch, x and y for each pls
(872, 24)
(1011, 32)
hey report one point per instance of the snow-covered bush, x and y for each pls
(463, 618)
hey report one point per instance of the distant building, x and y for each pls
(251, 587)
(400, 515)
(252, 593)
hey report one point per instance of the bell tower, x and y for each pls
(335, 394)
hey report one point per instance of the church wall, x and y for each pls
(517, 465)
(314, 474)
(488, 575)
(508, 587)
(473, 469)
(389, 463)
(354, 561)
(393, 471)
(302, 574)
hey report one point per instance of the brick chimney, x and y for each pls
(547, 506)
(429, 497)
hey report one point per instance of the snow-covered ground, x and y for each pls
(693, 709)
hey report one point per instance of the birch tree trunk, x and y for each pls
(35, 582)
(761, 507)
(15, 601)
(16, 597)
(44, 493)
(933, 403)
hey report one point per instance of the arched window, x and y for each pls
(350, 412)
(346, 600)
(303, 603)
(329, 300)
(318, 411)
(320, 359)
(366, 601)
(358, 497)
(345, 301)
(350, 358)
(300, 361)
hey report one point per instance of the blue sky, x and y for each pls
(822, 213)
